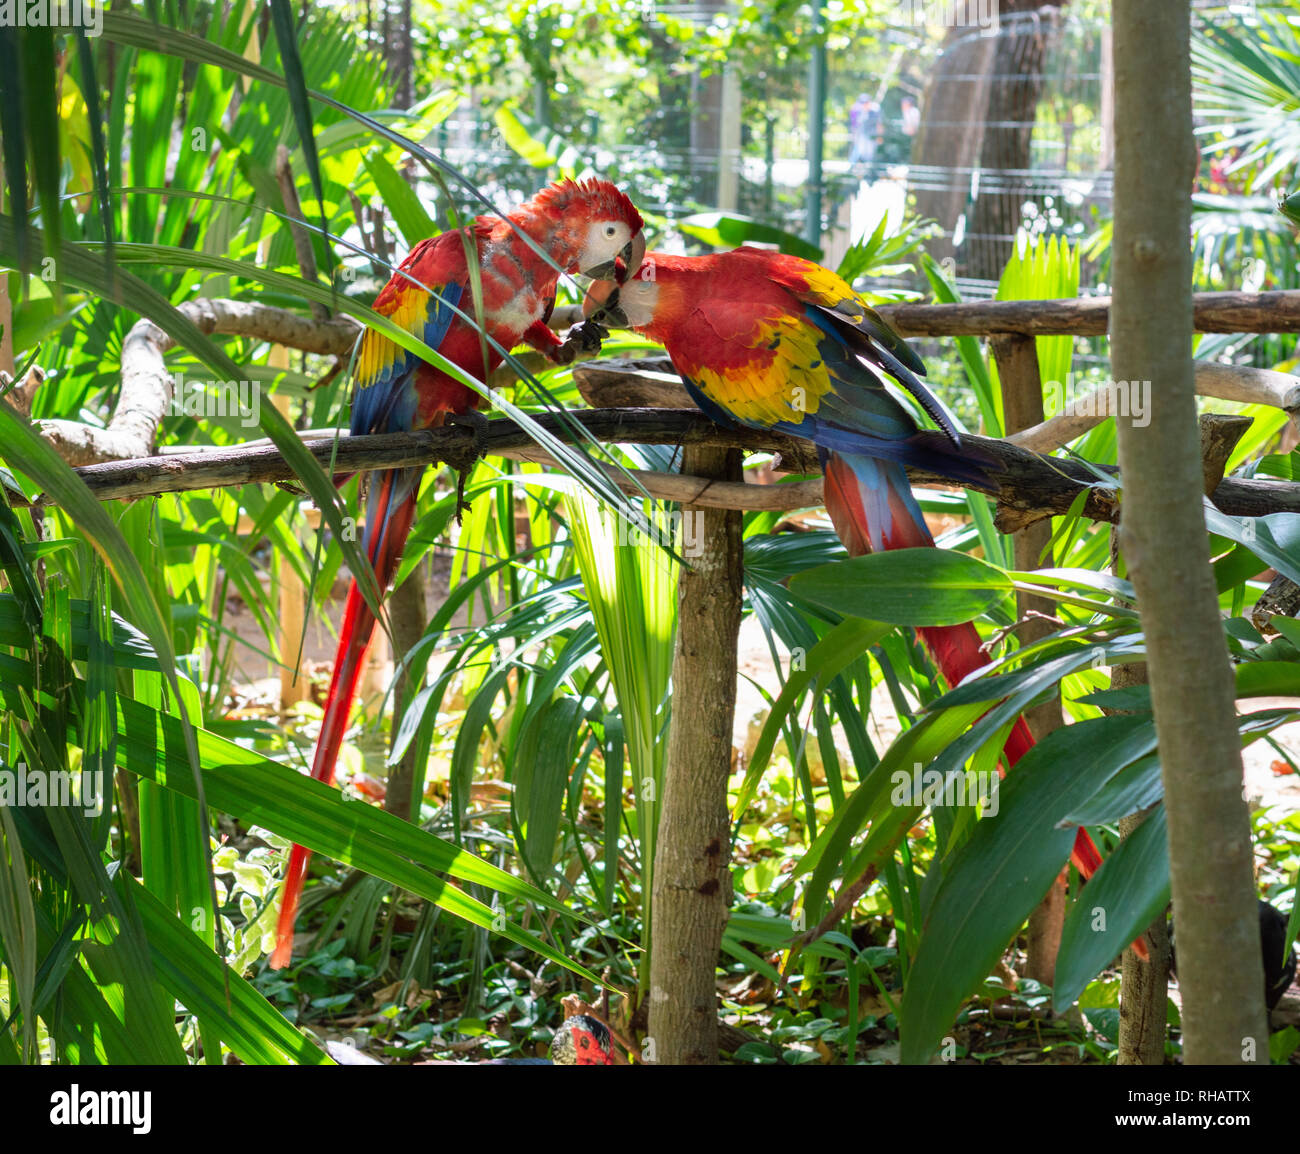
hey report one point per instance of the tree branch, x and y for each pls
(1029, 486)
(301, 237)
(1226, 382)
(146, 390)
(651, 381)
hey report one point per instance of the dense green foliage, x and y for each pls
(541, 695)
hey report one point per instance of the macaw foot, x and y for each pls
(478, 423)
(584, 339)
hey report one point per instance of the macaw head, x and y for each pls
(594, 228)
(631, 304)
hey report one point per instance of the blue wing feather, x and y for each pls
(387, 403)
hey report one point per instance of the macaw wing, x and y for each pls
(386, 399)
(863, 330)
(754, 363)
(770, 368)
(823, 289)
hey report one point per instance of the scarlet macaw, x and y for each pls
(583, 227)
(776, 342)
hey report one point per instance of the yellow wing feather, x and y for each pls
(783, 380)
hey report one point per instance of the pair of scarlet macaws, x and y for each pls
(760, 338)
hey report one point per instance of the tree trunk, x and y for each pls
(404, 90)
(1005, 153)
(952, 126)
(1165, 546)
(692, 886)
(1144, 990)
(707, 111)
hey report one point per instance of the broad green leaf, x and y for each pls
(1268, 679)
(263, 792)
(516, 135)
(1121, 899)
(547, 749)
(1129, 791)
(730, 230)
(1003, 871)
(1274, 539)
(254, 1029)
(906, 587)
(1290, 208)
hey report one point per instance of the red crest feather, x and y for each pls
(596, 197)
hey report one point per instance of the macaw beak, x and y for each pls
(633, 254)
(601, 305)
(621, 267)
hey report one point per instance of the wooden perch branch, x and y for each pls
(118, 463)
(146, 390)
(20, 395)
(1031, 487)
(651, 382)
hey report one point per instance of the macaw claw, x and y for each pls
(584, 338)
(478, 423)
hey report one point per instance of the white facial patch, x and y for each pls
(637, 299)
(605, 240)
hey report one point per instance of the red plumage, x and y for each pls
(772, 341)
(571, 226)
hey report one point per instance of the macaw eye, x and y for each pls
(610, 230)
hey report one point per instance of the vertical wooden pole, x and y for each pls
(293, 621)
(1144, 986)
(292, 604)
(407, 617)
(1022, 407)
(692, 885)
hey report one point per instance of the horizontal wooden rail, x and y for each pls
(1225, 312)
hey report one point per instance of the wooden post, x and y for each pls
(1144, 986)
(692, 884)
(408, 617)
(1022, 407)
(293, 622)
(292, 604)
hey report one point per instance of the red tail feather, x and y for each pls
(955, 648)
(393, 525)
